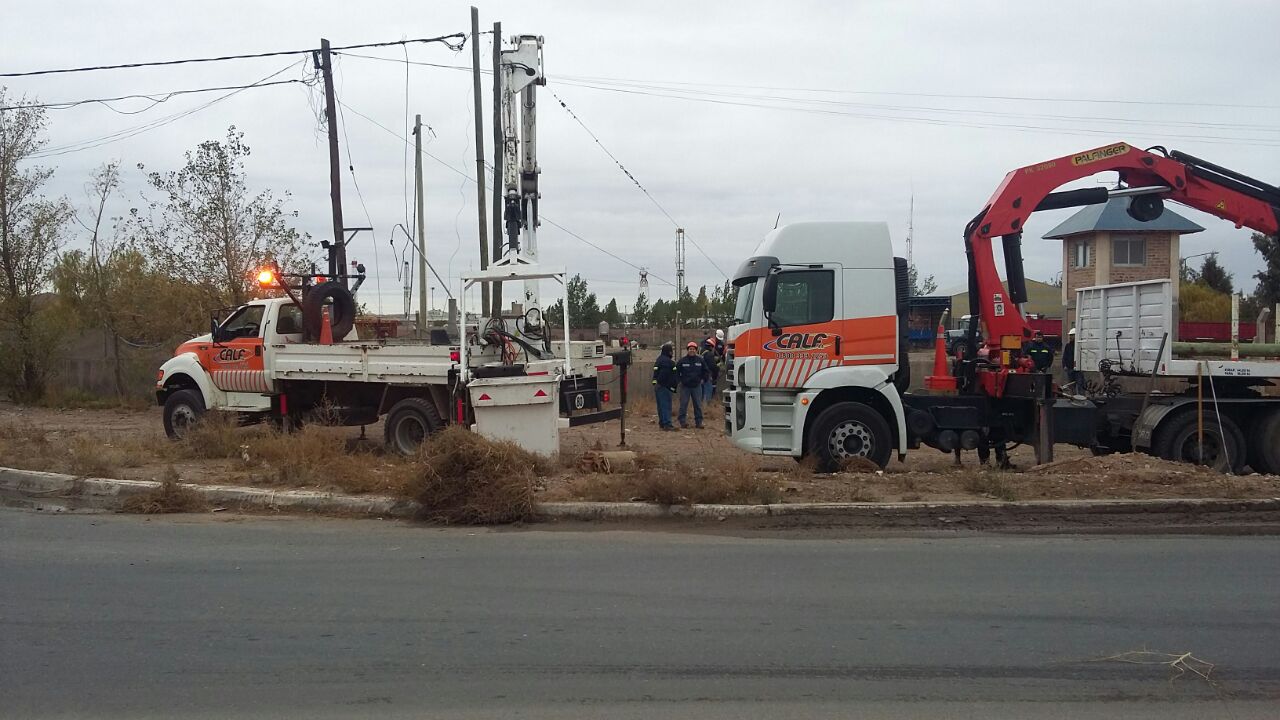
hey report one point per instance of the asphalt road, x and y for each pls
(115, 616)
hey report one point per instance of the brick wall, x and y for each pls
(1156, 266)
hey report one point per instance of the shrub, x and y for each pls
(170, 497)
(464, 478)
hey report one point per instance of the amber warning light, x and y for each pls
(266, 277)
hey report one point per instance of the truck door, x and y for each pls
(811, 339)
(235, 357)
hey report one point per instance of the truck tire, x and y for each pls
(182, 410)
(410, 422)
(342, 313)
(1264, 443)
(846, 430)
(1176, 440)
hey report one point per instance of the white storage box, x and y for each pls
(522, 409)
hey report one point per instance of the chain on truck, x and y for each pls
(279, 359)
(818, 355)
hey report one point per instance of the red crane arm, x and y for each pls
(1176, 176)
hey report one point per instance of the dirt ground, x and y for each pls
(131, 444)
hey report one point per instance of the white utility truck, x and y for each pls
(260, 364)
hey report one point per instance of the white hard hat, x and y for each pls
(719, 334)
(1072, 331)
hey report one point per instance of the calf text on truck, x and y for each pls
(818, 362)
(279, 359)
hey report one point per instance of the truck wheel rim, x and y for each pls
(850, 439)
(410, 433)
(183, 418)
(1212, 450)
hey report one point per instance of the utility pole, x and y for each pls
(479, 116)
(337, 258)
(422, 226)
(679, 264)
(497, 162)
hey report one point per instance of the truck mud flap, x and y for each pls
(597, 417)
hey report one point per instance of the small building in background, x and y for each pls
(1102, 245)
(1044, 303)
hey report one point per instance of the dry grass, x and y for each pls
(216, 437)
(319, 456)
(170, 497)
(463, 478)
(990, 484)
(681, 485)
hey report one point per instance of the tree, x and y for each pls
(920, 287)
(661, 314)
(640, 313)
(1214, 276)
(584, 310)
(210, 230)
(1268, 290)
(702, 304)
(31, 233)
(612, 315)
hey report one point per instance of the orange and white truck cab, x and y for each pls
(815, 347)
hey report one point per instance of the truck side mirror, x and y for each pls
(769, 300)
(770, 296)
(213, 331)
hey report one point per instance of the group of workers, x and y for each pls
(693, 377)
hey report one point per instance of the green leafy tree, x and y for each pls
(584, 310)
(661, 314)
(210, 230)
(612, 315)
(723, 300)
(702, 303)
(1268, 290)
(640, 313)
(31, 234)
(1214, 276)
(1201, 303)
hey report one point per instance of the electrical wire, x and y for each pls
(544, 218)
(126, 133)
(155, 98)
(459, 38)
(633, 179)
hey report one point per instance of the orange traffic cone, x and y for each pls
(326, 327)
(940, 379)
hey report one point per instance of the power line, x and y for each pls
(155, 98)
(135, 130)
(596, 79)
(459, 41)
(543, 217)
(1208, 139)
(633, 179)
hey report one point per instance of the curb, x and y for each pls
(38, 490)
(34, 489)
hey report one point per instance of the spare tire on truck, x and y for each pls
(342, 310)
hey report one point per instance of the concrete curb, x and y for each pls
(55, 491)
(35, 489)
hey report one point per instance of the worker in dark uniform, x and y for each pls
(1040, 352)
(692, 372)
(665, 382)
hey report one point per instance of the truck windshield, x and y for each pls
(742, 310)
(244, 322)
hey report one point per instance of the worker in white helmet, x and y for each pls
(1074, 376)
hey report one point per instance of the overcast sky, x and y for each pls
(728, 113)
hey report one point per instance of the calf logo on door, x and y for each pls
(791, 343)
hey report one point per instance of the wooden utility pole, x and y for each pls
(418, 191)
(480, 184)
(338, 257)
(497, 161)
